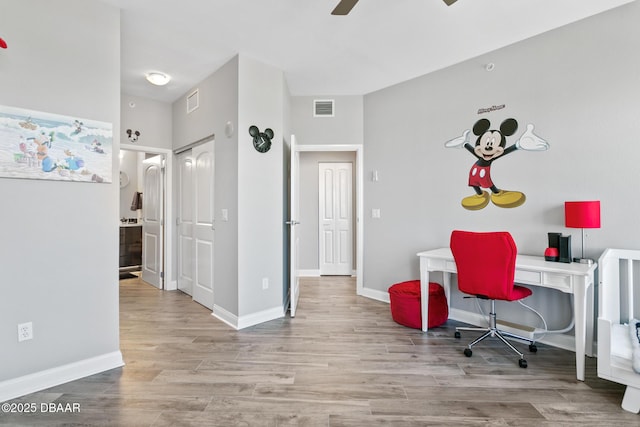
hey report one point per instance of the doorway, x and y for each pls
(329, 152)
(152, 173)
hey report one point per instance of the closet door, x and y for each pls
(203, 225)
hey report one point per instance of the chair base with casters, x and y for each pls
(493, 331)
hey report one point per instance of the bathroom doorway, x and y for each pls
(145, 213)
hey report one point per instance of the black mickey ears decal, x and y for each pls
(133, 136)
(261, 140)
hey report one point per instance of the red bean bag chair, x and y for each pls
(405, 304)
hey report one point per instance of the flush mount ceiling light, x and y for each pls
(158, 79)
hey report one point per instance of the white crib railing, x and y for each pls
(619, 289)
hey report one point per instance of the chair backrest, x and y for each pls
(486, 263)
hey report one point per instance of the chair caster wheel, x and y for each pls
(457, 334)
(522, 363)
(533, 348)
(468, 352)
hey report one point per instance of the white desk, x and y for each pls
(572, 278)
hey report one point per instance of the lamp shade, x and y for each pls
(582, 214)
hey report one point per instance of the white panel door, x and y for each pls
(335, 218)
(185, 222)
(203, 227)
(152, 233)
(294, 209)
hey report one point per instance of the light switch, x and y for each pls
(375, 213)
(225, 214)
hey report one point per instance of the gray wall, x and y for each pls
(151, 118)
(59, 251)
(218, 105)
(260, 199)
(578, 85)
(249, 246)
(346, 127)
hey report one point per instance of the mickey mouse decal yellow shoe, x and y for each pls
(476, 202)
(508, 199)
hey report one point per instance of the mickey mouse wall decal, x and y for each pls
(133, 136)
(261, 140)
(491, 145)
(3, 44)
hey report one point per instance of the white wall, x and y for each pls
(59, 251)
(578, 85)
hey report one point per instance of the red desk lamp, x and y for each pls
(585, 214)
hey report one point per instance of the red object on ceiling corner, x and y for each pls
(3, 44)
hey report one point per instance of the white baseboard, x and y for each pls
(316, 273)
(249, 320)
(38, 381)
(260, 317)
(309, 273)
(171, 285)
(375, 294)
(225, 316)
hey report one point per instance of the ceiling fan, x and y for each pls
(345, 6)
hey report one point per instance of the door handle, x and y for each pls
(292, 222)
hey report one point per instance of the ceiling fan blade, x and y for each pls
(449, 2)
(344, 7)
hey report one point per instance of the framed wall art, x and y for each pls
(39, 145)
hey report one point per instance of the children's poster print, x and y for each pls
(38, 145)
(491, 145)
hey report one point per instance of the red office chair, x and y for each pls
(486, 266)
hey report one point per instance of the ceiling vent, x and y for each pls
(193, 101)
(323, 108)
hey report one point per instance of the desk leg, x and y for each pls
(446, 284)
(580, 312)
(590, 317)
(424, 293)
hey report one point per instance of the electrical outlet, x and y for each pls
(25, 331)
(265, 283)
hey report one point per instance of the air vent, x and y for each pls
(323, 108)
(193, 101)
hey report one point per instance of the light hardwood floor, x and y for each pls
(341, 362)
